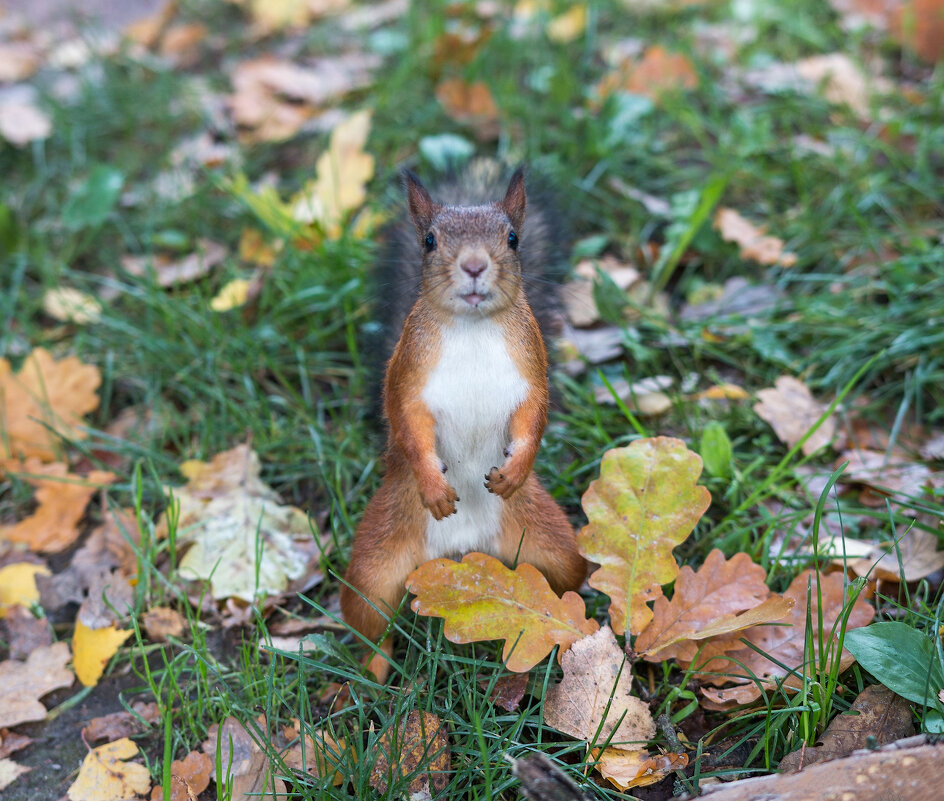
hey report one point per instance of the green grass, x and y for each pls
(860, 314)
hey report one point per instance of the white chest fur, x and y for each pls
(472, 393)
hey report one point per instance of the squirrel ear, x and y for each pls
(422, 208)
(515, 200)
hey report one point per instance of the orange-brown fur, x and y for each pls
(391, 539)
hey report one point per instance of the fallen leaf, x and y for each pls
(933, 447)
(418, 747)
(106, 776)
(721, 597)
(594, 700)
(779, 648)
(657, 72)
(627, 769)
(471, 104)
(11, 742)
(792, 411)
(317, 756)
(10, 771)
(343, 171)
(723, 392)
(644, 397)
(233, 295)
(18, 585)
(181, 43)
(161, 622)
(568, 26)
(877, 717)
(645, 503)
(246, 767)
(240, 538)
(93, 648)
(269, 16)
(889, 473)
(481, 599)
(508, 691)
(25, 632)
(45, 398)
(18, 61)
(122, 724)
(173, 272)
(70, 305)
(22, 684)
(753, 242)
(919, 554)
(110, 598)
(146, 31)
(843, 83)
(61, 499)
(22, 122)
(189, 777)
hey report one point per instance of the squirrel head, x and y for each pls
(471, 264)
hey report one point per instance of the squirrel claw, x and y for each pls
(498, 484)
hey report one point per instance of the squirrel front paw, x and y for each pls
(503, 482)
(441, 501)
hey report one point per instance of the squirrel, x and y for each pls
(466, 399)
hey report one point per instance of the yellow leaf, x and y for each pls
(91, 650)
(723, 392)
(645, 503)
(626, 769)
(18, 584)
(568, 26)
(231, 296)
(105, 776)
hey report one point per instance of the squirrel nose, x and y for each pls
(474, 266)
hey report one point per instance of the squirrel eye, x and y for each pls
(513, 240)
(430, 243)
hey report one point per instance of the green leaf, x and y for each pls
(90, 204)
(715, 450)
(900, 657)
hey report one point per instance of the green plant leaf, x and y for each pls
(90, 204)
(900, 657)
(715, 449)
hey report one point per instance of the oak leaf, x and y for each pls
(471, 104)
(657, 72)
(594, 701)
(419, 747)
(62, 498)
(189, 777)
(627, 769)
(481, 599)
(754, 243)
(106, 776)
(779, 648)
(242, 540)
(791, 410)
(22, 684)
(721, 597)
(645, 503)
(93, 648)
(44, 400)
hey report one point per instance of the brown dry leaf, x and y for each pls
(122, 724)
(189, 777)
(481, 599)
(44, 396)
(62, 499)
(110, 598)
(890, 473)
(842, 81)
(316, 756)
(577, 295)
(25, 632)
(106, 776)
(170, 272)
(645, 502)
(627, 769)
(508, 691)
(22, 684)
(246, 767)
(659, 71)
(722, 597)
(418, 747)
(161, 622)
(920, 558)
(791, 410)
(783, 642)
(471, 104)
(11, 742)
(146, 31)
(877, 717)
(181, 44)
(10, 771)
(595, 693)
(754, 243)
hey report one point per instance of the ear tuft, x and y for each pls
(516, 200)
(422, 208)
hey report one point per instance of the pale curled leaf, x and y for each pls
(481, 599)
(645, 502)
(754, 243)
(792, 411)
(628, 769)
(22, 684)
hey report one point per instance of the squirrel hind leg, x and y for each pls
(536, 530)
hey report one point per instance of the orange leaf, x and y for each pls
(645, 503)
(752, 241)
(44, 400)
(62, 498)
(481, 599)
(418, 747)
(471, 104)
(658, 72)
(626, 769)
(594, 701)
(706, 604)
